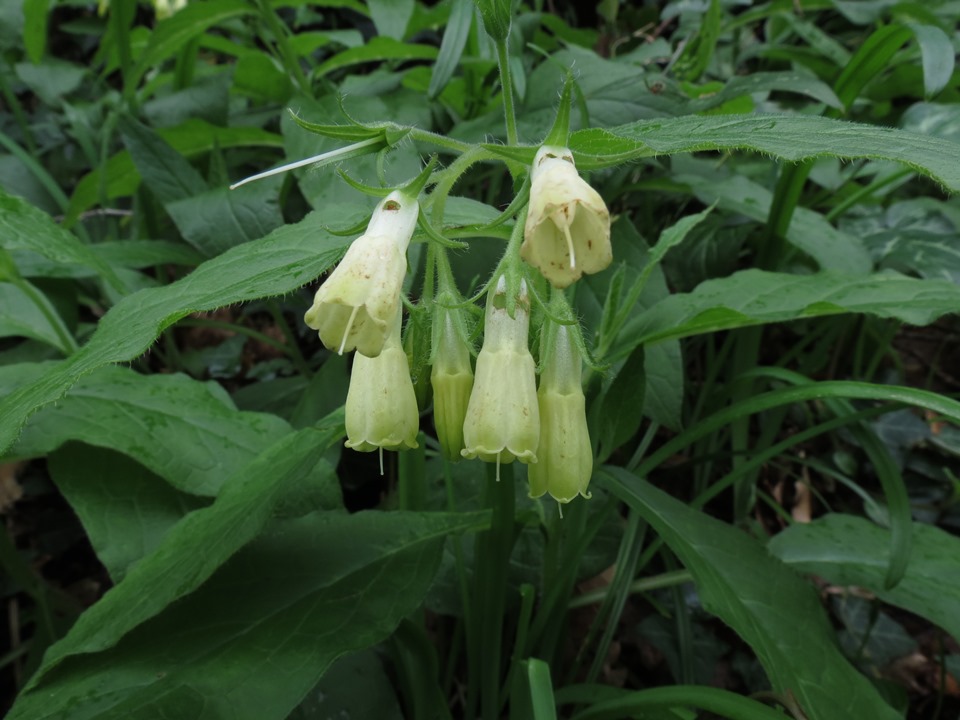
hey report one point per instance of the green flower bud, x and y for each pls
(503, 421)
(381, 410)
(354, 308)
(567, 232)
(564, 458)
(452, 380)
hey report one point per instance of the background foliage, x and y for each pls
(773, 528)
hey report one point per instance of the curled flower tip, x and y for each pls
(567, 231)
(353, 309)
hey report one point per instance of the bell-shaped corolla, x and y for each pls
(381, 410)
(503, 421)
(567, 232)
(564, 456)
(354, 308)
(452, 380)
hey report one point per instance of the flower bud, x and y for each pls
(567, 232)
(354, 308)
(564, 458)
(503, 421)
(381, 410)
(452, 380)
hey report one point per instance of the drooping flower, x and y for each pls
(452, 381)
(381, 410)
(354, 308)
(564, 457)
(503, 421)
(567, 232)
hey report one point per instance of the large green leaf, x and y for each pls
(755, 297)
(120, 178)
(115, 253)
(286, 607)
(792, 137)
(809, 231)
(177, 30)
(125, 509)
(24, 227)
(765, 602)
(188, 432)
(376, 49)
(21, 316)
(281, 262)
(194, 548)
(849, 550)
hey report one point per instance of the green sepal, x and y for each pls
(520, 153)
(433, 234)
(517, 204)
(560, 132)
(349, 133)
(8, 269)
(371, 190)
(497, 17)
(416, 186)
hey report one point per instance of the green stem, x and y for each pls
(506, 83)
(720, 702)
(527, 596)
(13, 102)
(656, 582)
(493, 556)
(293, 347)
(432, 138)
(287, 56)
(122, 14)
(239, 329)
(67, 342)
(446, 179)
(867, 191)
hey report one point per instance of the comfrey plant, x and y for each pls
(493, 412)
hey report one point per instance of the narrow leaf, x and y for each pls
(24, 227)
(755, 297)
(761, 599)
(451, 47)
(849, 550)
(176, 568)
(338, 583)
(793, 137)
(186, 431)
(281, 262)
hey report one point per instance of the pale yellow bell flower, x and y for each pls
(353, 309)
(381, 409)
(503, 420)
(452, 380)
(564, 456)
(567, 232)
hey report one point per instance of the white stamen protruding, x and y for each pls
(498, 467)
(560, 510)
(381, 462)
(309, 161)
(573, 255)
(346, 331)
